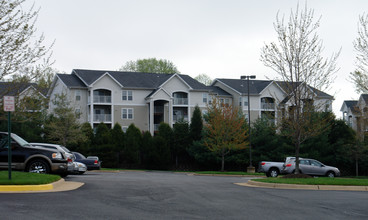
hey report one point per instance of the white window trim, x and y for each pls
(127, 114)
(78, 94)
(127, 95)
(204, 97)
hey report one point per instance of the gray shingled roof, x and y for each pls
(241, 86)
(365, 97)
(351, 103)
(218, 91)
(71, 81)
(15, 88)
(135, 79)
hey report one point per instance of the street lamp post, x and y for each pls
(250, 169)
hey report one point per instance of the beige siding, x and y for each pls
(140, 117)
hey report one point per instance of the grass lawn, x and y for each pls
(318, 181)
(24, 178)
(197, 172)
(229, 173)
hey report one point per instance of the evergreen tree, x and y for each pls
(166, 132)
(118, 141)
(181, 140)
(196, 125)
(161, 153)
(63, 127)
(146, 150)
(133, 143)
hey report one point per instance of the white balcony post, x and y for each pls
(91, 109)
(151, 117)
(171, 113)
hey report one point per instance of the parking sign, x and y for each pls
(9, 103)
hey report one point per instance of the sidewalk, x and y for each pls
(57, 186)
(251, 183)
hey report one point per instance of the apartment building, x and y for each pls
(269, 99)
(355, 114)
(28, 96)
(147, 99)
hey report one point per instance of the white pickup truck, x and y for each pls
(271, 169)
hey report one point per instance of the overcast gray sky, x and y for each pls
(220, 38)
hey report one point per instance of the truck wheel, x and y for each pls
(38, 166)
(273, 172)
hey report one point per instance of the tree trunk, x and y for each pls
(223, 163)
(297, 147)
(356, 166)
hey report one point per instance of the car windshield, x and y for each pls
(65, 149)
(20, 140)
(79, 156)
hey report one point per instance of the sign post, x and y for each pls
(9, 106)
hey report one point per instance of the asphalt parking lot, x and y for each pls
(167, 195)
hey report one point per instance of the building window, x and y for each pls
(127, 95)
(240, 101)
(77, 113)
(77, 95)
(127, 113)
(222, 101)
(246, 101)
(205, 97)
(227, 102)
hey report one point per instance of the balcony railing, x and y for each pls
(102, 117)
(180, 101)
(159, 109)
(156, 127)
(268, 106)
(179, 117)
(101, 99)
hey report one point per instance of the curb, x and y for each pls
(251, 183)
(20, 188)
(58, 186)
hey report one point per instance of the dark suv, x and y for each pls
(29, 158)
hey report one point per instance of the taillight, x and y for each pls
(288, 165)
(263, 163)
(96, 162)
(70, 159)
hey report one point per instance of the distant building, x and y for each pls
(28, 96)
(355, 114)
(146, 99)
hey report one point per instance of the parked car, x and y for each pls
(80, 168)
(70, 157)
(92, 164)
(271, 169)
(29, 158)
(310, 167)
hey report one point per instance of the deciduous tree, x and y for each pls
(20, 47)
(204, 78)
(297, 58)
(360, 76)
(150, 65)
(225, 130)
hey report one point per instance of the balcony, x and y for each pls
(159, 109)
(180, 117)
(180, 101)
(101, 99)
(268, 106)
(102, 118)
